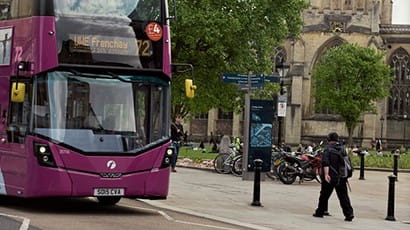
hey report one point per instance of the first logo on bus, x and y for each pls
(111, 164)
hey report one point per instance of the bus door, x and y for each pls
(15, 117)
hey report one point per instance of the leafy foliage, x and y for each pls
(349, 79)
(268, 93)
(231, 36)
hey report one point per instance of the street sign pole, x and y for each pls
(246, 175)
(248, 82)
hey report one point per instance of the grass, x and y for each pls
(371, 161)
(196, 155)
(386, 161)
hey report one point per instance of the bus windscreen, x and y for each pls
(100, 113)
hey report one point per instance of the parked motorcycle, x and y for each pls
(306, 166)
(276, 160)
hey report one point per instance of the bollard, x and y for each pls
(395, 165)
(390, 203)
(361, 166)
(257, 183)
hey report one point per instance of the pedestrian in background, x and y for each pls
(331, 179)
(177, 134)
(379, 148)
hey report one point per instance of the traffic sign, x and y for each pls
(253, 86)
(257, 80)
(273, 79)
(281, 109)
(282, 98)
(241, 78)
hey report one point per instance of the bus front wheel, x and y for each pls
(108, 200)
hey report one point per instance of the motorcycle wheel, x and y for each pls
(308, 178)
(287, 174)
(272, 174)
(274, 166)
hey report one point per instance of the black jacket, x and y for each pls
(177, 132)
(332, 159)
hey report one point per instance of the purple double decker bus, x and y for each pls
(85, 98)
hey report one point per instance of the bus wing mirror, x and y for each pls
(189, 88)
(18, 90)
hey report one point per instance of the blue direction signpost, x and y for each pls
(273, 79)
(250, 82)
(257, 80)
(241, 78)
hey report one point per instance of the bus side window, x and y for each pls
(19, 116)
(4, 11)
(16, 9)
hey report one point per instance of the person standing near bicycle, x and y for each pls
(177, 134)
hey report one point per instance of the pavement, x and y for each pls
(227, 198)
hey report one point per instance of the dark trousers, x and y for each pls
(341, 191)
(174, 157)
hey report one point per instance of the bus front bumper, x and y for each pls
(151, 184)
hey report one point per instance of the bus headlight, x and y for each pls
(42, 149)
(43, 154)
(166, 161)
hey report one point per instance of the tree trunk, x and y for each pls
(350, 129)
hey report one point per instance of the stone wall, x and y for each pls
(198, 129)
(224, 127)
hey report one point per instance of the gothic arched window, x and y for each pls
(399, 102)
(331, 43)
(279, 57)
(348, 5)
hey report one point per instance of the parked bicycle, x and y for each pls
(224, 162)
(237, 169)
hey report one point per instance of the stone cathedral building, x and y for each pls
(329, 23)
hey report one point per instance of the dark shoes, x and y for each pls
(325, 213)
(349, 218)
(317, 215)
(173, 170)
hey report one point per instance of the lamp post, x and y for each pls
(404, 129)
(381, 128)
(282, 69)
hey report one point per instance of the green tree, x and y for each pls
(348, 80)
(231, 36)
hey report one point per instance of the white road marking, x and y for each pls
(169, 218)
(138, 208)
(26, 222)
(166, 216)
(204, 225)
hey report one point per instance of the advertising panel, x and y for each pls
(260, 133)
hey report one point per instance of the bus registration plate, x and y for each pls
(108, 192)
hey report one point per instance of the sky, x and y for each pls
(401, 12)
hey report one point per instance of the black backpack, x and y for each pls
(345, 166)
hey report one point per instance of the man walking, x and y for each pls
(332, 161)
